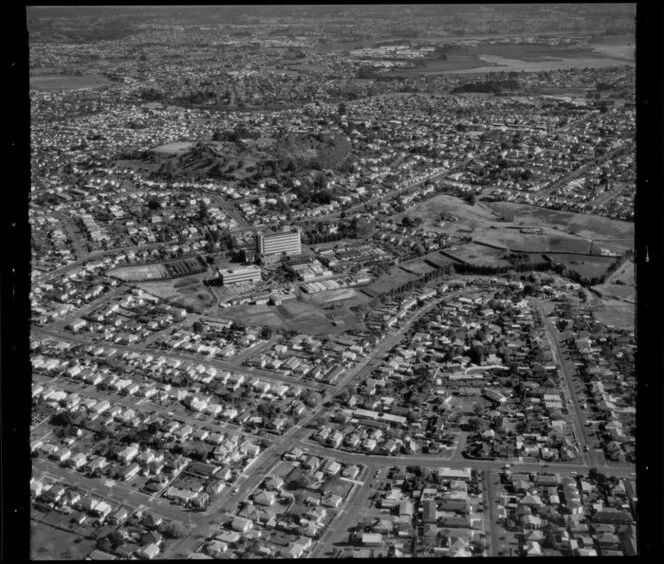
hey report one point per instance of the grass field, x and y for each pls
(588, 267)
(174, 148)
(614, 312)
(66, 82)
(49, 543)
(468, 216)
(495, 63)
(627, 293)
(140, 273)
(392, 280)
(254, 315)
(345, 294)
(164, 289)
(418, 267)
(480, 255)
(614, 232)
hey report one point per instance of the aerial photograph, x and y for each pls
(332, 281)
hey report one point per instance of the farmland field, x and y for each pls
(66, 82)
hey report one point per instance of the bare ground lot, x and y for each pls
(66, 82)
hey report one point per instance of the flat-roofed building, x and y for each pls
(288, 242)
(239, 275)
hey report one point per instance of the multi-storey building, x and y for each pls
(238, 275)
(288, 242)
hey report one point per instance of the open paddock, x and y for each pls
(257, 315)
(333, 296)
(431, 210)
(480, 255)
(587, 266)
(615, 312)
(615, 291)
(394, 279)
(610, 232)
(418, 267)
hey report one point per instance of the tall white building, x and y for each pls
(288, 242)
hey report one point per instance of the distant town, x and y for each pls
(332, 281)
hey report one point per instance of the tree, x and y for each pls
(197, 327)
(471, 199)
(475, 424)
(116, 539)
(175, 530)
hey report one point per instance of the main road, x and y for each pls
(568, 370)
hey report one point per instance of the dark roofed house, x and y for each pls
(456, 522)
(612, 516)
(429, 511)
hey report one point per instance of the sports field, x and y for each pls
(140, 273)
